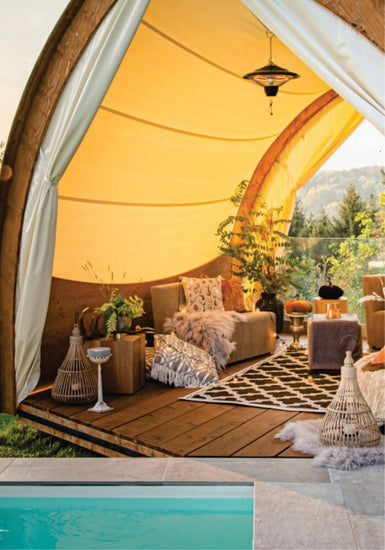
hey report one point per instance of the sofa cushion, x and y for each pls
(232, 295)
(202, 294)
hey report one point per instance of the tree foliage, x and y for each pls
(347, 247)
(348, 223)
(257, 245)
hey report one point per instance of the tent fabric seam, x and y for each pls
(180, 131)
(212, 63)
(143, 204)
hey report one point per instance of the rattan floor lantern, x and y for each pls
(348, 421)
(76, 380)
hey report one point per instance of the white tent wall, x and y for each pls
(75, 110)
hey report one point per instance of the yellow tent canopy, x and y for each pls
(178, 129)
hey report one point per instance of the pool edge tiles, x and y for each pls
(131, 490)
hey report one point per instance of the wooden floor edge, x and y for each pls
(119, 448)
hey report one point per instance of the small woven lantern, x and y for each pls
(348, 421)
(76, 380)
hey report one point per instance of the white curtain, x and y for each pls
(333, 49)
(76, 108)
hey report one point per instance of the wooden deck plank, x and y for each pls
(198, 416)
(211, 429)
(72, 439)
(235, 440)
(45, 402)
(156, 419)
(84, 432)
(274, 420)
(135, 409)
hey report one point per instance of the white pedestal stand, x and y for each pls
(99, 356)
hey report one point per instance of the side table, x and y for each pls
(127, 363)
(321, 304)
(329, 339)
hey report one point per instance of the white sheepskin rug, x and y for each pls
(304, 435)
(209, 330)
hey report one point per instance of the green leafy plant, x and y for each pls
(258, 246)
(119, 307)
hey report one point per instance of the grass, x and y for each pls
(17, 440)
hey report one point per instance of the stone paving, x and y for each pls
(297, 505)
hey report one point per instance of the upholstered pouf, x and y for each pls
(329, 339)
(372, 385)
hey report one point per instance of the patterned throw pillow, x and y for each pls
(202, 294)
(232, 295)
(182, 364)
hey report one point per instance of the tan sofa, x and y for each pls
(374, 311)
(254, 337)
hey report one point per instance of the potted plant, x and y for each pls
(259, 249)
(119, 311)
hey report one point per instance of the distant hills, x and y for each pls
(324, 190)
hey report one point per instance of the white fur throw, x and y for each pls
(304, 435)
(209, 330)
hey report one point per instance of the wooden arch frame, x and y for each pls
(53, 68)
(267, 161)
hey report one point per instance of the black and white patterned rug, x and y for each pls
(282, 381)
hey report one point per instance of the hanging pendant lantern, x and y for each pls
(271, 76)
(348, 421)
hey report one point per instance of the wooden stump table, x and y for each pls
(125, 369)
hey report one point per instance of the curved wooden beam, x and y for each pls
(52, 70)
(267, 161)
(265, 164)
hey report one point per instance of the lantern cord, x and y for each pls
(270, 108)
(270, 36)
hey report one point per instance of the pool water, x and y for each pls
(126, 517)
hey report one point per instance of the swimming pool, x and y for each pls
(199, 517)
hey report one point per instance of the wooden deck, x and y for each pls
(154, 422)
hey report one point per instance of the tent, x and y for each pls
(135, 128)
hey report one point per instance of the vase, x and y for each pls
(269, 302)
(124, 325)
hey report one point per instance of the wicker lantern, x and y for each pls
(75, 381)
(348, 421)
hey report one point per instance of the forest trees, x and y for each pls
(346, 246)
(345, 224)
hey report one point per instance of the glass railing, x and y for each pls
(346, 260)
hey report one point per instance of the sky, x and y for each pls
(25, 27)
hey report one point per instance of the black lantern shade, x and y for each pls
(271, 77)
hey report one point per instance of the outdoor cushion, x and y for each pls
(182, 364)
(202, 294)
(232, 295)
